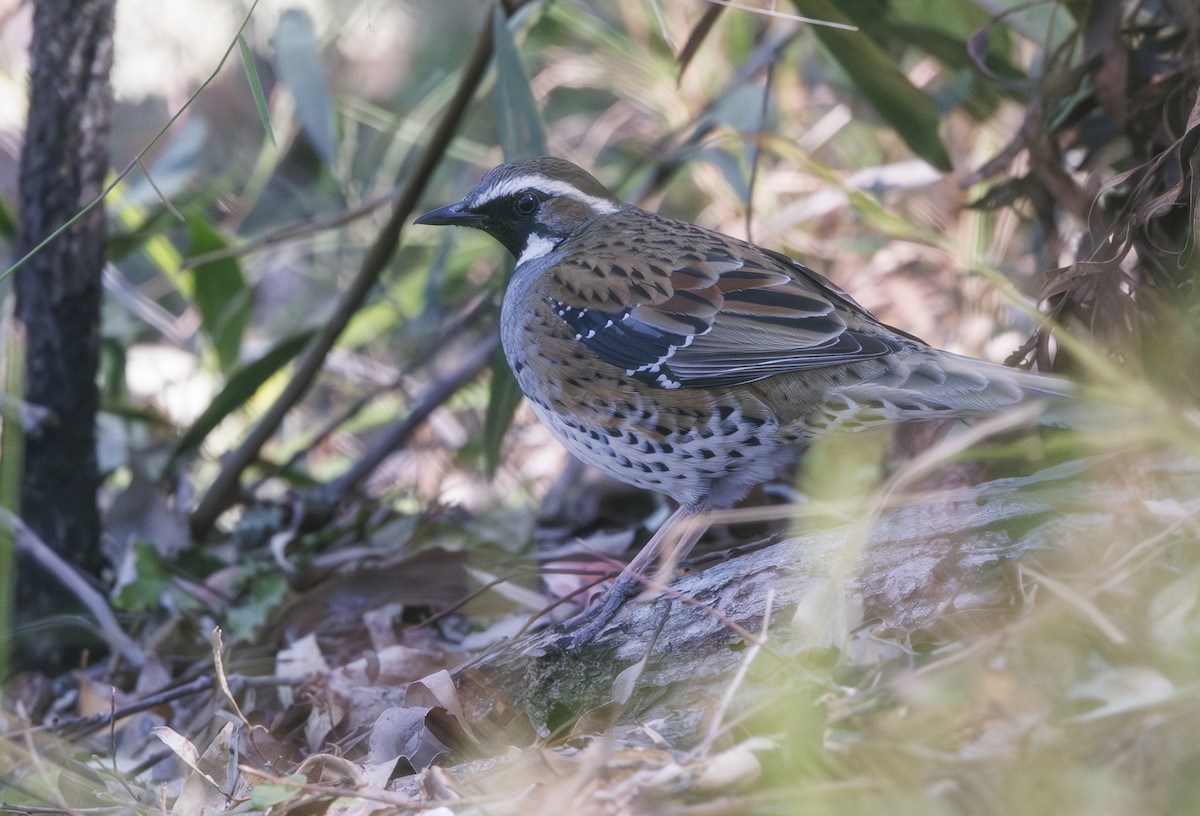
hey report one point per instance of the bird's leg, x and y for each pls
(668, 546)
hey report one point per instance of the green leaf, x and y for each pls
(911, 112)
(122, 243)
(36, 789)
(503, 399)
(262, 797)
(153, 579)
(12, 458)
(8, 223)
(960, 35)
(298, 64)
(242, 385)
(220, 293)
(267, 592)
(522, 134)
(256, 89)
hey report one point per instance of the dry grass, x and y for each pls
(1077, 696)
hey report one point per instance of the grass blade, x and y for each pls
(256, 89)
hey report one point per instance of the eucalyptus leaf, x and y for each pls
(256, 88)
(904, 106)
(8, 222)
(298, 64)
(220, 292)
(522, 134)
(242, 385)
(503, 398)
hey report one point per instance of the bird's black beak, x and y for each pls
(452, 215)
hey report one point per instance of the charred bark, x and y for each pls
(63, 164)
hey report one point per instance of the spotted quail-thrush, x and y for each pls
(685, 361)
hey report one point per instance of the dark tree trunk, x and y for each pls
(63, 164)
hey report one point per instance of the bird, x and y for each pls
(681, 360)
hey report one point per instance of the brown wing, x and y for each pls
(692, 308)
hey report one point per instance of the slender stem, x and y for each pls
(136, 161)
(28, 542)
(403, 430)
(224, 488)
(12, 462)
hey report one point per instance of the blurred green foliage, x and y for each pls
(859, 150)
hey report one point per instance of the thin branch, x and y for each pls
(166, 202)
(136, 160)
(454, 329)
(292, 232)
(400, 433)
(783, 15)
(224, 488)
(85, 726)
(28, 542)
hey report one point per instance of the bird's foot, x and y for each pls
(589, 624)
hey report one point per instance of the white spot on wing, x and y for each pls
(671, 349)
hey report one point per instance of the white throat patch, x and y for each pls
(600, 206)
(535, 247)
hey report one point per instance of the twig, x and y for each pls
(717, 722)
(402, 430)
(454, 329)
(166, 202)
(222, 492)
(76, 729)
(145, 309)
(222, 679)
(291, 232)
(136, 161)
(1078, 602)
(69, 577)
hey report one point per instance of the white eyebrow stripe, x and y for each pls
(552, 186)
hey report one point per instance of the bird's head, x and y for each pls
(529, 206)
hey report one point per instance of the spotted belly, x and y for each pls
(705, 448)
(701, 459)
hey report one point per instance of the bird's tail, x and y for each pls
(1030, 385)
(940, 385)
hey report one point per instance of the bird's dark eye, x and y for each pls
(525, 204)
